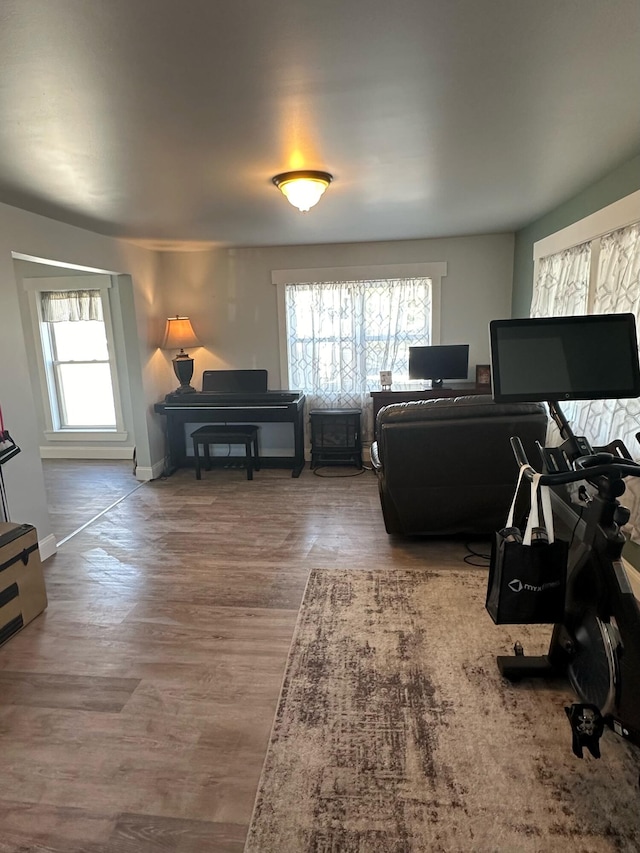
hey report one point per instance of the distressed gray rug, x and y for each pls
(395, 732)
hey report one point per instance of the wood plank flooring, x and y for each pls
(77, 490)
(135, 713)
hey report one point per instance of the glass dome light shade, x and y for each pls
(303, 189)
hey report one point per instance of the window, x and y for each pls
(76, 358)
(598, 275)
(339, 334)
(78, 361)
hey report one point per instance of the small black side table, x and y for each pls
(335, 437)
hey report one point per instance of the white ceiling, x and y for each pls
(164, 120)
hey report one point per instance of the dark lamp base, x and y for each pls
(183, 368)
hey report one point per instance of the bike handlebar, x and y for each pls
(598, 464)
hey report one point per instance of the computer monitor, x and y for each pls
(449, 361)
(590, 357)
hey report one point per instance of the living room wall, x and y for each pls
(232, 303)
(617, 184)
(26, 235)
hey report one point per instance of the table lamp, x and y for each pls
(180, 334)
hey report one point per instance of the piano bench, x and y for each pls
(246, 434)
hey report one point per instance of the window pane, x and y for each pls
(86, 395)
(341, 334)
(84, 340)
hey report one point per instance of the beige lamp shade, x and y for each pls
(180, 334)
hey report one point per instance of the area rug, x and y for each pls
(395, 732)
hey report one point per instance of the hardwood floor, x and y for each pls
(77, 490)
(135, 712)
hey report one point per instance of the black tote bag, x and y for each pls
(527, 578)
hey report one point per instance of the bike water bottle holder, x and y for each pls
(558, 460)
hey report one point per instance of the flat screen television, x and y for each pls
(449, 361)
(591, 357)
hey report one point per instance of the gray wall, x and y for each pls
(616, 185)
(25, 235)
(232, 303)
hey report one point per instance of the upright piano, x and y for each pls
(234, 406)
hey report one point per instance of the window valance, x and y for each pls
(60, 306)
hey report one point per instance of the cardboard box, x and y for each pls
(22, 592)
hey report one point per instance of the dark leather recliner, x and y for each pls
(445, 466)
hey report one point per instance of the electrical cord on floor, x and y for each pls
(473, 554)
(468, 558)
(357, 473)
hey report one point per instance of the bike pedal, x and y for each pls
(587, 725)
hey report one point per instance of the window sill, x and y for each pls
(85, 435)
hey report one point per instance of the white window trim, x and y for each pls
(33, 287)
(623, 212)
(85, 435)
(435, 271)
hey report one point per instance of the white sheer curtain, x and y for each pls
(618, 285)
(559, 290)
(562, 284)
(340, 335)
(59, 306)
(618, 291)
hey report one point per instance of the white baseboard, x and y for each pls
(144, 474)
(47, 546)
(79, 452)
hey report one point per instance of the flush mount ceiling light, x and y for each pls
(304, 188)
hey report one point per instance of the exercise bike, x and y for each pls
(596, 645)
